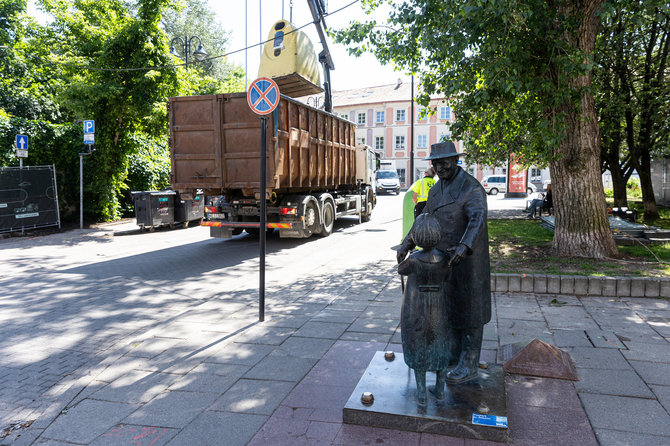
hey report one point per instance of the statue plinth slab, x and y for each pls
(476, 409)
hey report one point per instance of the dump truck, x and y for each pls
(315, 171)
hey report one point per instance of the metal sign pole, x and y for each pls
(263, 225)
(81, 191)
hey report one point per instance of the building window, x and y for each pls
(445, 113)
(379, 143)
(422, 115)
(445, 137)
(399, 142)
(400, 115)
(421, 141)
(380, 117)
(360, 119)
(345, 116)
(401, 176)
(360, 140)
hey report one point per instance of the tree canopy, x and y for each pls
(518, 76)
(106, 60)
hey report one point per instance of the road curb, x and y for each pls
(619, 286)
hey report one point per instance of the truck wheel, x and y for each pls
(311, 222)
(328, 219)
(367, 212)
(494, 191)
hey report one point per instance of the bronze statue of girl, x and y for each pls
(423, 318)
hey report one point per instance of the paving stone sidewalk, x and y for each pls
(213, 375)
(169, 365)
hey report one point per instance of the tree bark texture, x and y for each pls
(582, 225)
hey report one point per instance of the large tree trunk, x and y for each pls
(582, 226)
(619, 188)
(648, 198)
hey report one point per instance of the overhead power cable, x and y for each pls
(164, 67)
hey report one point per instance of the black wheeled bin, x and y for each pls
(186, 211)
(154, 208)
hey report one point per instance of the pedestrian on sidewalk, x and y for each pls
(420, 190)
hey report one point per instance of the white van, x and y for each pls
(498, 183)
(388, 181)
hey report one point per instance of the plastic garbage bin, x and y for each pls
(154, 208)
(186, 211)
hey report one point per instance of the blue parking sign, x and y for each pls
(89, 126)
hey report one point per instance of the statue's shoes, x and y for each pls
(461, 374)
(438, 394)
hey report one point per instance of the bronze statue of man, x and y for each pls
(458, 201)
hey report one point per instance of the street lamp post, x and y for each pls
(185, 49)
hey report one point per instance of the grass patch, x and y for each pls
(523, 246)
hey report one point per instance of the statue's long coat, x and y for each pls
(460, 206)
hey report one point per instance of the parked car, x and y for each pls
(498, 183)
(388, 181)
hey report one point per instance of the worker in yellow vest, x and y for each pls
(420, 190)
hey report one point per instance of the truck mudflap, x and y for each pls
(224, 224)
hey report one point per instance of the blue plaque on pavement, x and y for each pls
(489, 420)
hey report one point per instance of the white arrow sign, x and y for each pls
(22, 142)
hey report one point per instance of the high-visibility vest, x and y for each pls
(422, 187)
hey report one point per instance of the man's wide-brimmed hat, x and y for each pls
(445, 149)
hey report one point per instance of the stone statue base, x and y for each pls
(461, 414)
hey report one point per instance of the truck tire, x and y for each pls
(311, 220)
(328, 219)
(367, 212)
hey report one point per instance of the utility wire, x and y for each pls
(163, 67)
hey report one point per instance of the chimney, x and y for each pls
(398, 84)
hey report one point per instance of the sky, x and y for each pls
(350, 72)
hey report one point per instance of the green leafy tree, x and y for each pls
(520, 74)
(633, 100)
(106, 48)
(28, 87)
(196, 18)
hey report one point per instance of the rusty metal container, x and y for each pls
(215, 146)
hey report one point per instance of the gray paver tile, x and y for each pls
(135, 435)
(598, 358)
(253, 396)
(240, 353)
(652, 372)
(171, 409)
(304, 347)
(327, 330)
(202, 380)
(647, 352)
(365, 337)
(210, 427)
(440, 440)
(88, 420)
(541, 392)
(571, 338)
(135, 387)
(612, 382)
(663, 395)
(261, 334)
(530, 425)
(352, 435)
(281, 368)
(626, 414)
(342, 316)
(618, 438)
